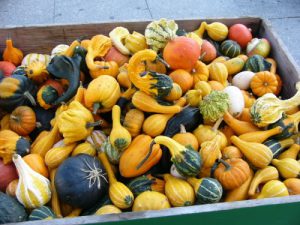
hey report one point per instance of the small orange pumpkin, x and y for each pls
(264, 82)
(183, 78)
(37, 163)
(22, 120)
(186, 138)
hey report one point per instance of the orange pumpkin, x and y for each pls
(200, 72)
(22, 120)
(264, 82)
(37, 163)
(183, 78)
(232, 173)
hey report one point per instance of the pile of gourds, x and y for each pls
(149, 121)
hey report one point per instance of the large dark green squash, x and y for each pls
(278, 146)
(42, 213)
(230, 48)
(11, 211)
(257, 63)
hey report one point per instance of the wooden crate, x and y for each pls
(275, 211)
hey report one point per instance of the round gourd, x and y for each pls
(241, 34)
(135, 42)
(80, 181)
(243, 79)
(204, 87)
(7, 68)
(150, 200)
(35, 57)
(259, 46)
(264, 82)
(42, 213)
(200, 72)
(175, 93)
(208, 51)
(8, 173)
(293, 185)
(183, 78)
(230, 48)
(108, 209)
(257, 63)
(22, 120)
(186, 138)
(59, 50)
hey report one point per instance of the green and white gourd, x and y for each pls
(42, 213)
(29, 58)
(59, 50)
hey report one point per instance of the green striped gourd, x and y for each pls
(42, 213)
(277, 147)
(29, 58)
(146, 183)
(230, 48)
(257, 63)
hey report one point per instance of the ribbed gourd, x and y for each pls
(179, 192)
(216, 30)
(218, 72)
(42, 213)
(133, 121)
(117, 36)
(272, 189)
(257, 63)
(288, 168)
(120, 137)
(291, 153)
(260, 136)
(33, 189)
(84, 148)
(135, 42)
(210, 151)
(108, 209)
(159, 32)
(111, 152)
(207, 190)
(150, 200)
(230, 48)
(278, 146)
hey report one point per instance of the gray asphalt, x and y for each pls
(284, 15)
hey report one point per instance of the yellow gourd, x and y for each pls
(135, 42)
(273, 188)
(234, 65)
(33, 189)
(193, 97)
(175, 93)
(12, 54)
(133, 121)
(218, 72)
(293, 185)
(204, 87)
(120, 137)
(55, 205)
(74, 213)
(216, 31)
(258, 154)
(262, 176)
(288, 168)
(200, 72)
(70, 50)
(108, 209)
(56, 155)
(150, 200)
(210, 151)
(84, 148)
(122, 77)
(260, 136)
(292, 152)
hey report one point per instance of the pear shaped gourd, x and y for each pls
(288, 168)
(211, 151)
(273, 188)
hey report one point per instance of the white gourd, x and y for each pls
(243, 79)
(236, 100)
(59, 50)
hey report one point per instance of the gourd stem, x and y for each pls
(217, 124)
(182, 129)
(226, 164)
(94, 124)
(30, 98)
(38, 124)
(162, 61)
(147, 156)
(13, 117)
(96, 106)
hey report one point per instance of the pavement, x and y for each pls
(284, 15)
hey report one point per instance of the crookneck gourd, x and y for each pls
(152, 83)
(64, 67)
(12, 54)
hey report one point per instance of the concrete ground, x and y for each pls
(284, 15)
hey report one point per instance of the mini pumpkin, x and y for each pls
(264, 82)
(22, 120)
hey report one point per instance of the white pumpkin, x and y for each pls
(236, 100)
(243, 79)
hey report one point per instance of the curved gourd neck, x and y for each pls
(292, 102)
(111, 176)
(116, 116)
(174, 147)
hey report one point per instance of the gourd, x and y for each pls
(146, 183)
(150, 200)
(111, 152)
(22, 120)
(175, 93)
(110, 68)
(257, 63)
(228, 132)
(208, 51)
(240, 193)
(16, 90)
(157, 65)
(11, 143)
(230, 48)
(56, 155)
(200, 72)
(135, 42)
(4, 124)
(258, 46)
(11, 188)
(183, 78)
(245, 115)
(64, 67)
(8, 173)
(33, 189)
(11, 210)
(292, 185)
(37, 163)
(37, 72)
(7, 68)
(42, 213)
(273, 188)
(218, 72)
(80, 181)
(207, 190)
(102, 94)
(204, 87)
(216, 30)
(238, 126)
(288, 168)
(210, 151)
(159, 32)
(232, 173)
(186, 138)
(234, 66)
(193, 97)
(119, 193)
(260, 136)
(278, 147)
(44, 58)
(12, 54)
(48, 93)
(147, 103)
(187, 161)
(257, 154)
(262, 176)
(291, 153)
(179, 192)
(135, 153)
(248, 98)
(59, 50)
(133, 121)
(263, 82)
(84, 148)
(236, 100)
(122, 77)
(120, 137)
(243, 79)
(55, 203)
(152, 83)
(117, 36)
(108, 209)
(43, 144)
(230, 152)
(155, 124)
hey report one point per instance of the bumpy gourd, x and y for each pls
(33, 189)
(37, 72)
